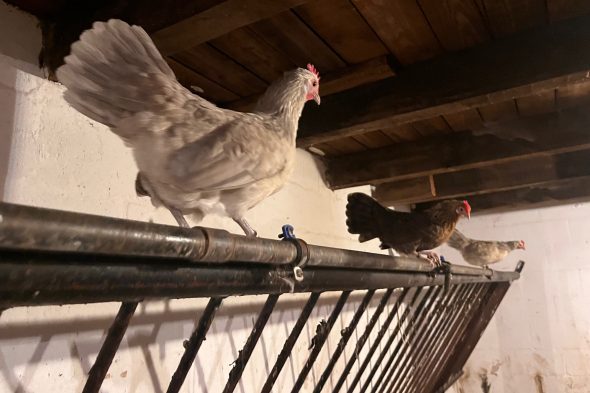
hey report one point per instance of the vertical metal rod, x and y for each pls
(430, 319)
(244, 355)
(435, 330)
(455, 314)
(346, 333)
(322, 334)
(449, 346)
(290, 342)
(402, 346)
(380, 335)
(109, 347)
(363, 339)
(473, 329)
(392, 335)
(193, 344)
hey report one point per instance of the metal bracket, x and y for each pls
(302, 256)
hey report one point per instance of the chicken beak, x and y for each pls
(316, 98)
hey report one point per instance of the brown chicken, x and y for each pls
(482, 252)
(407, 233)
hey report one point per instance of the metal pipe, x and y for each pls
(244, 355)
(42, 279)
(30, 228)
(193, 344)
(290, 342)
(322, 332)
(362, 340)
(109, 348)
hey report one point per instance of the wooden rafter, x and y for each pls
(217, 21)
(552, 134)
(522, 64)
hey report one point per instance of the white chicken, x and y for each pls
(194, 158)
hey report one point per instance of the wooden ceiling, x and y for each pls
(425, 99)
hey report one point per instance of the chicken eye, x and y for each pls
(314, 84)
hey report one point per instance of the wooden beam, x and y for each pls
(561, 192)
(217, 21)
(523, 64)
(527, 172)
(545, 135)
(337, 81)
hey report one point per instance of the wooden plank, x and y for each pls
(526, 172)
(536, 104)
(339, 80)
(374, 140)
(287, 33)
(563, 9)
(340, 25)
(575, 94)
(562, 192)
(458, 24)
(553, 133)
(222, 70)
(347, 146)
(402, 132)
(498, 111)
(527, 63)
(217, 21)
(405, 191)
(402, 27)
(252, 52)
(211, 90)
(434, 126)
(507, 17)
(465, 120)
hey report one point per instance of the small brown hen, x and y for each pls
(407, 233)
(483, 252)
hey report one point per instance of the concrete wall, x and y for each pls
(52, 156)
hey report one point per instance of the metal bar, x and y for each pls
(392, 335)
(447, 347)
(40, 279)
(439, 334)
(436, 329)
(323, 331)
(363, 339)
(474, 331)
(193, 344)
(109, 348)
(402, 346)
(431, 318)
(343, 341)
(244, 355)
(380, 334)
(454, 378)
(29, 228)
(290, 342)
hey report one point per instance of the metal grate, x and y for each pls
(434, 319)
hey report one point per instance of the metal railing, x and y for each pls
(55, 257)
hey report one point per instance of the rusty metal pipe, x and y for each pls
(36, 229)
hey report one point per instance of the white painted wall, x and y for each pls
(53, 157)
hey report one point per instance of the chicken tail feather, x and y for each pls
(361, 213)
(457, 240)
(113, 72)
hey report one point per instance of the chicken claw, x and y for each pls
(432, 257)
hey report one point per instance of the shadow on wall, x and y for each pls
(7, 103)
(145, 330)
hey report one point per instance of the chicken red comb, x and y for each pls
(313, 70)
(467, 208)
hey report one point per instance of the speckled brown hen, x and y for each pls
(483, 252)
(408, 233)
(193, 157)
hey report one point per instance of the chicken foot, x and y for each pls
(248, 230)
(179, 217)
(432, 257)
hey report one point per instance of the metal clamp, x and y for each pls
(302, 256)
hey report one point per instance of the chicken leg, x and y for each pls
(248, 230)
(179, 217)
(432, 257)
